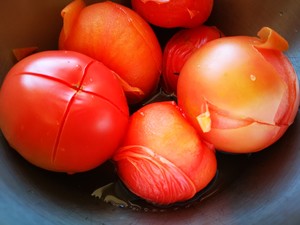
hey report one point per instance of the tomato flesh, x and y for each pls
(63, 111)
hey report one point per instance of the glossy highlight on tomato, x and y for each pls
(117, 36)
(63, 111)
(241, 93)
(174, 13)
(180, 47)
(162, 159)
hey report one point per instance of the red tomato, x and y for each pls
(118, 37)
(162, 158)
(180, 47)
(174, 13)
(241, 93)
(63, 111)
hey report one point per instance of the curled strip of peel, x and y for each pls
(204, 120)
(128, 89)
(70, 14)
(214, 117)
(162, 181)
(271, 40)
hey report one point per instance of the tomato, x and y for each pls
(63, 111)
(241, 93)
(174, 13)
(118, 37)
(180, 47)
(162, 158)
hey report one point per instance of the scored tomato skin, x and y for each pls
(118, 37)
(174, 13)
(241, 93)
(162, 158)
(180, 47)
(63, 111)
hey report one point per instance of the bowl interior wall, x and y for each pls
(266, 192)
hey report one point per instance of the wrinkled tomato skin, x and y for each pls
(63, 111)
(180, 47)
(162, 159)
(240, 93)
(174, 13)
(117, 36)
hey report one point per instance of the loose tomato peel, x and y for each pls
(270, 39)
(21, 53)
(70, 14)
(149, 164)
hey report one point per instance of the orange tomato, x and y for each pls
(241, 93)
(118, 37)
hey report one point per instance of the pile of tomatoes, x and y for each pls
(69, 110)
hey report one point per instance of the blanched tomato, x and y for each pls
(241, 93)
(162, 158)
(63, 111)
(174, 13)
(118, 37)
(180, 47)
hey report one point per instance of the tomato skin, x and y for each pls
(180, 47)
(162, 153)
(118, 37)
(63, 111)
(240, 93)
(175, 13)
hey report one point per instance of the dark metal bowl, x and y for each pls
(265, 191)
